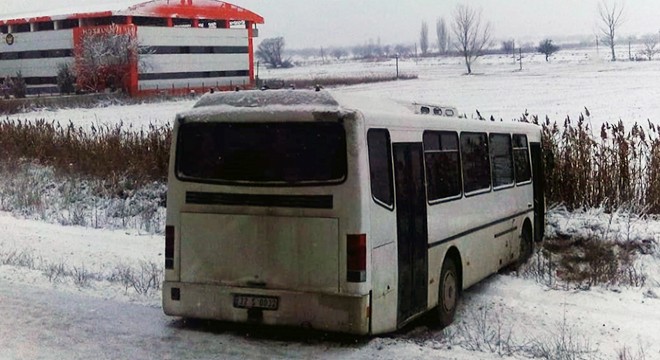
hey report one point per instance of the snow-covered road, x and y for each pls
(502, 317)
(38, 323)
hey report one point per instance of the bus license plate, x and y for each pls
(255, 302)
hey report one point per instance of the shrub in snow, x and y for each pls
(66, 79)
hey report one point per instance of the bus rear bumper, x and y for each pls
(322, 311)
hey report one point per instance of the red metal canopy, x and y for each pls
(187, 9)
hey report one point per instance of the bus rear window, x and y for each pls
(262, 153)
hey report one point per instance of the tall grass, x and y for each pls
(117, 152)
(612, 168)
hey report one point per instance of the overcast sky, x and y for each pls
(316, 23)
(311, 23)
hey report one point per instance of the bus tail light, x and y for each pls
(169, 247)
(356, 257)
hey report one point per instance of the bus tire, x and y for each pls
(448, 293)
(526, 244)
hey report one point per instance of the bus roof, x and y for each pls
(300, 101)
(302, 105)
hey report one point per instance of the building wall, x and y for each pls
(36, 55)
(181, 58)
(193, 57)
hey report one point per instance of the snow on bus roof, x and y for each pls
(297, 101)
(259, 98)
(284, 103)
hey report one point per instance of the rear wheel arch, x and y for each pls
(526, 241)
(450, 287)
(455, 255)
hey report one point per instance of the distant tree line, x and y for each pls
(468, 35)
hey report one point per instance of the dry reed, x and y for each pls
(113, 152)
(612, 169)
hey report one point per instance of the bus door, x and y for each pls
(411, 224)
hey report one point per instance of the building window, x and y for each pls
(521, 159)
(36, 54)
(443, 165)
(502, 159)
(149, 21)
(40, 80)
(193, 75)
(182, 22)
(380, 166)
(69, 24)
(119, 20)
(45, 26)
(102, 21)
(476, 162)
(237, 24)
(21, 28)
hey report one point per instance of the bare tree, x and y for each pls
(338, 53)
(443, 35)
(472, 36)
(105, 55)
(403, 50)
(547, 48)
(270, 52)
(611, 17)
(650, 43)
(424, 38)
(508, 46)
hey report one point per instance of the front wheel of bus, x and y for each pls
(448, 295)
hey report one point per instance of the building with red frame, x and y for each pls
(192, 44)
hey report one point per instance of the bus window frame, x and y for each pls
(460, 167)
(513, 170)
(529, 161)
(312, 183)
(490, 180)
(378, 201)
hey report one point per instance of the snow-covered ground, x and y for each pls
(564, 86)
(53, 317)
(76, 292)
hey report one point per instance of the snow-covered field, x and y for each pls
(79, 293)
(53, 317)
(571, 81)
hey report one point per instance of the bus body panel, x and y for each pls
(484, 227)
(385, 288)
(267, 251)
(326, 311)
(299, 255)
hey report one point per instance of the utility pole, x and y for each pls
(520, 57)
(629, 52)
(513, 50)
(397, 66)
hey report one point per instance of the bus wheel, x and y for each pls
(526, 244)
(448, 294)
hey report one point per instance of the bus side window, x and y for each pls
(502, 159)
(443, 165)
(521, 158)
(380, 167)
(476, 162)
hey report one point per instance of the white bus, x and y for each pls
(323, 210)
